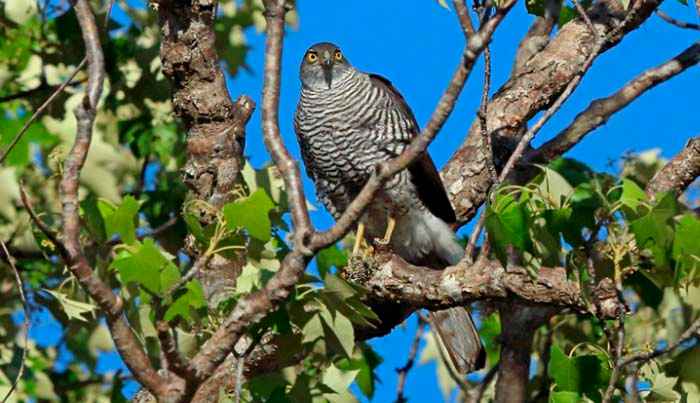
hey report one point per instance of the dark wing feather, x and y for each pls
(424, 175)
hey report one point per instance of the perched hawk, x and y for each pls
(347, 122)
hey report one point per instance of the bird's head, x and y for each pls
(323, 66)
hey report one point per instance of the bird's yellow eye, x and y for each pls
(338, 55)
(311, 57)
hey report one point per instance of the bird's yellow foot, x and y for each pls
(361, 247)
(390, 226)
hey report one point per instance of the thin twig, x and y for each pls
(25, 325)
(403, 371)
(692, 332)
(40, 111)
(586, 18)
(68, 81)
(42, 87)
(488, 149)
(478, 392)
(676, 22)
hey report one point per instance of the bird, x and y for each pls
(347, 122)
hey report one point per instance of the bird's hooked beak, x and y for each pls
(327, 66)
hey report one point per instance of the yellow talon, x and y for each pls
(359, 238)
(390, 226)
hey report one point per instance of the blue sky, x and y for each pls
(416, 44)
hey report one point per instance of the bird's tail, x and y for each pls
(454, 326)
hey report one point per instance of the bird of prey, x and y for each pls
(346, 123)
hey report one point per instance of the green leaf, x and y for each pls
(72, 308)
(338, 380)
(252, 278)
(19, 11)
(312, 330)
(192, 297)
(686, 244)
(653, 231)
(94, 222)
(35, 134)
(506, 225)
(331, 256)
(632, 195)
(575, 172)
(342, 327)
(584, 374)
(662, 389)
(431, 353)
(123, 220)
(251, 213)
(365, 361)
(490, 331)
(338, 287)
(554, 187)
(147, 267)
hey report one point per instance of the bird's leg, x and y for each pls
(359, 238)
(390, 226)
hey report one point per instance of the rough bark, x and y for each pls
(678, 173)
(215, 125)
(389, 278)
(519, 324)
(543, 78)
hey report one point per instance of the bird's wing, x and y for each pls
(424, 175)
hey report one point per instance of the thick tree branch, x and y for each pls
(538, 86)
(599, 111)
(537, 37)
(255, 306)
(519, 326)
(389, 278)
(124, 339)
(678, 173)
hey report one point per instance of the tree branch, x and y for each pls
(676, 22)
(126, 342)
(599, 111)
(40, 111)
(692, 332)
(678, 173)
(388, 277)
(25, 325)
(537, 37)
(538, 86)
(519, 326)
(412, 352)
